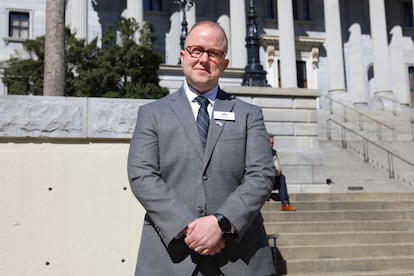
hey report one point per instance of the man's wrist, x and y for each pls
(223, 222)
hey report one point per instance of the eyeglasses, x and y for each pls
(197, 51)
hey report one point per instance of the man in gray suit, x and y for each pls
(202, 184)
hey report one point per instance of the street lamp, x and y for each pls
(184, 7)
(254, 75)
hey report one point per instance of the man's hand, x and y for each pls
(204, 236)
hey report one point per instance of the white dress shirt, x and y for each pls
(192, 94)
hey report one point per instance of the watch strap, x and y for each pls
(223, 222)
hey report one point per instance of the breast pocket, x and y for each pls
(232, 151)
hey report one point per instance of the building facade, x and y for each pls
(353, 50)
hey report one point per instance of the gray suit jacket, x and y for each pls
(176, 183)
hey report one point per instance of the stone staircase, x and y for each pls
(368, 119)
(344, 234)
(364, 223)
(402, 148)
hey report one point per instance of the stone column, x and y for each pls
(172, 40)
(357, 74)
(224, 22)
(287, 72)
(135, 9)
(3, 88)
(191, 16)
(237, 53)
(271, 66)
(334, 46)
(400, 85)
(378, 24)
(79, 18)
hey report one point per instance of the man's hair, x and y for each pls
(213, 25)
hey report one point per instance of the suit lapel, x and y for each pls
(223, 103)
(182, 109)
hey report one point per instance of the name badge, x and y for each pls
(226, 116)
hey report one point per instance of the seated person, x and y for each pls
(280, 180)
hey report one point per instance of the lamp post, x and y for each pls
(184, 7)
(254, 75)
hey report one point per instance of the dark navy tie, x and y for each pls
(203, 120)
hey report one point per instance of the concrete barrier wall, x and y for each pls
(67, 209)
(65, 204)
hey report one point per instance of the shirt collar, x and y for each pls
(192, 94)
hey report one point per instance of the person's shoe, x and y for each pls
(287, 207)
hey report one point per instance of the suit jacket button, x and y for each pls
(205, 177)
(200, 209)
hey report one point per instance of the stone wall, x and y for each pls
(63, 117)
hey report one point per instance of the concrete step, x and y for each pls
(345, 205)
(292, 252)
(344, 234)
(325, 238)
(396, 197)
(338, 225)
(403, 156)
(357, 273)
(357, 264)
(334, 215)
(347, 170)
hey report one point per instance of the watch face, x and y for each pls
(226, 225)
(223, 223)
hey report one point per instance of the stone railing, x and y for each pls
(63, 117)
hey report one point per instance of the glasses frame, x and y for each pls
(212, 53)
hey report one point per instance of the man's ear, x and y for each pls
(181, 55)
(226, 63)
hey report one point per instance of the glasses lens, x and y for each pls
(213, 53)
(195, 51)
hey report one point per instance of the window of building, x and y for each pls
(19, 25)
(271, 9)
(301, 74)
(370, 72)
(302, 81)
(301, 10)
(407, 17)
(411, 83)
(152, 5)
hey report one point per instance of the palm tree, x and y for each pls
(54, 74)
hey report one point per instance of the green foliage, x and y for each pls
(25, 75)
(120, 69)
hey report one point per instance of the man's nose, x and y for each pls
(204, 57)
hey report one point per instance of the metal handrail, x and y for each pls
(365, 141)
(395, 113)
(394, 103)
(360, 119)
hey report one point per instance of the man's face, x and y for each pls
(203, 61)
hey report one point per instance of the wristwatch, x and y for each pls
(223, 222)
